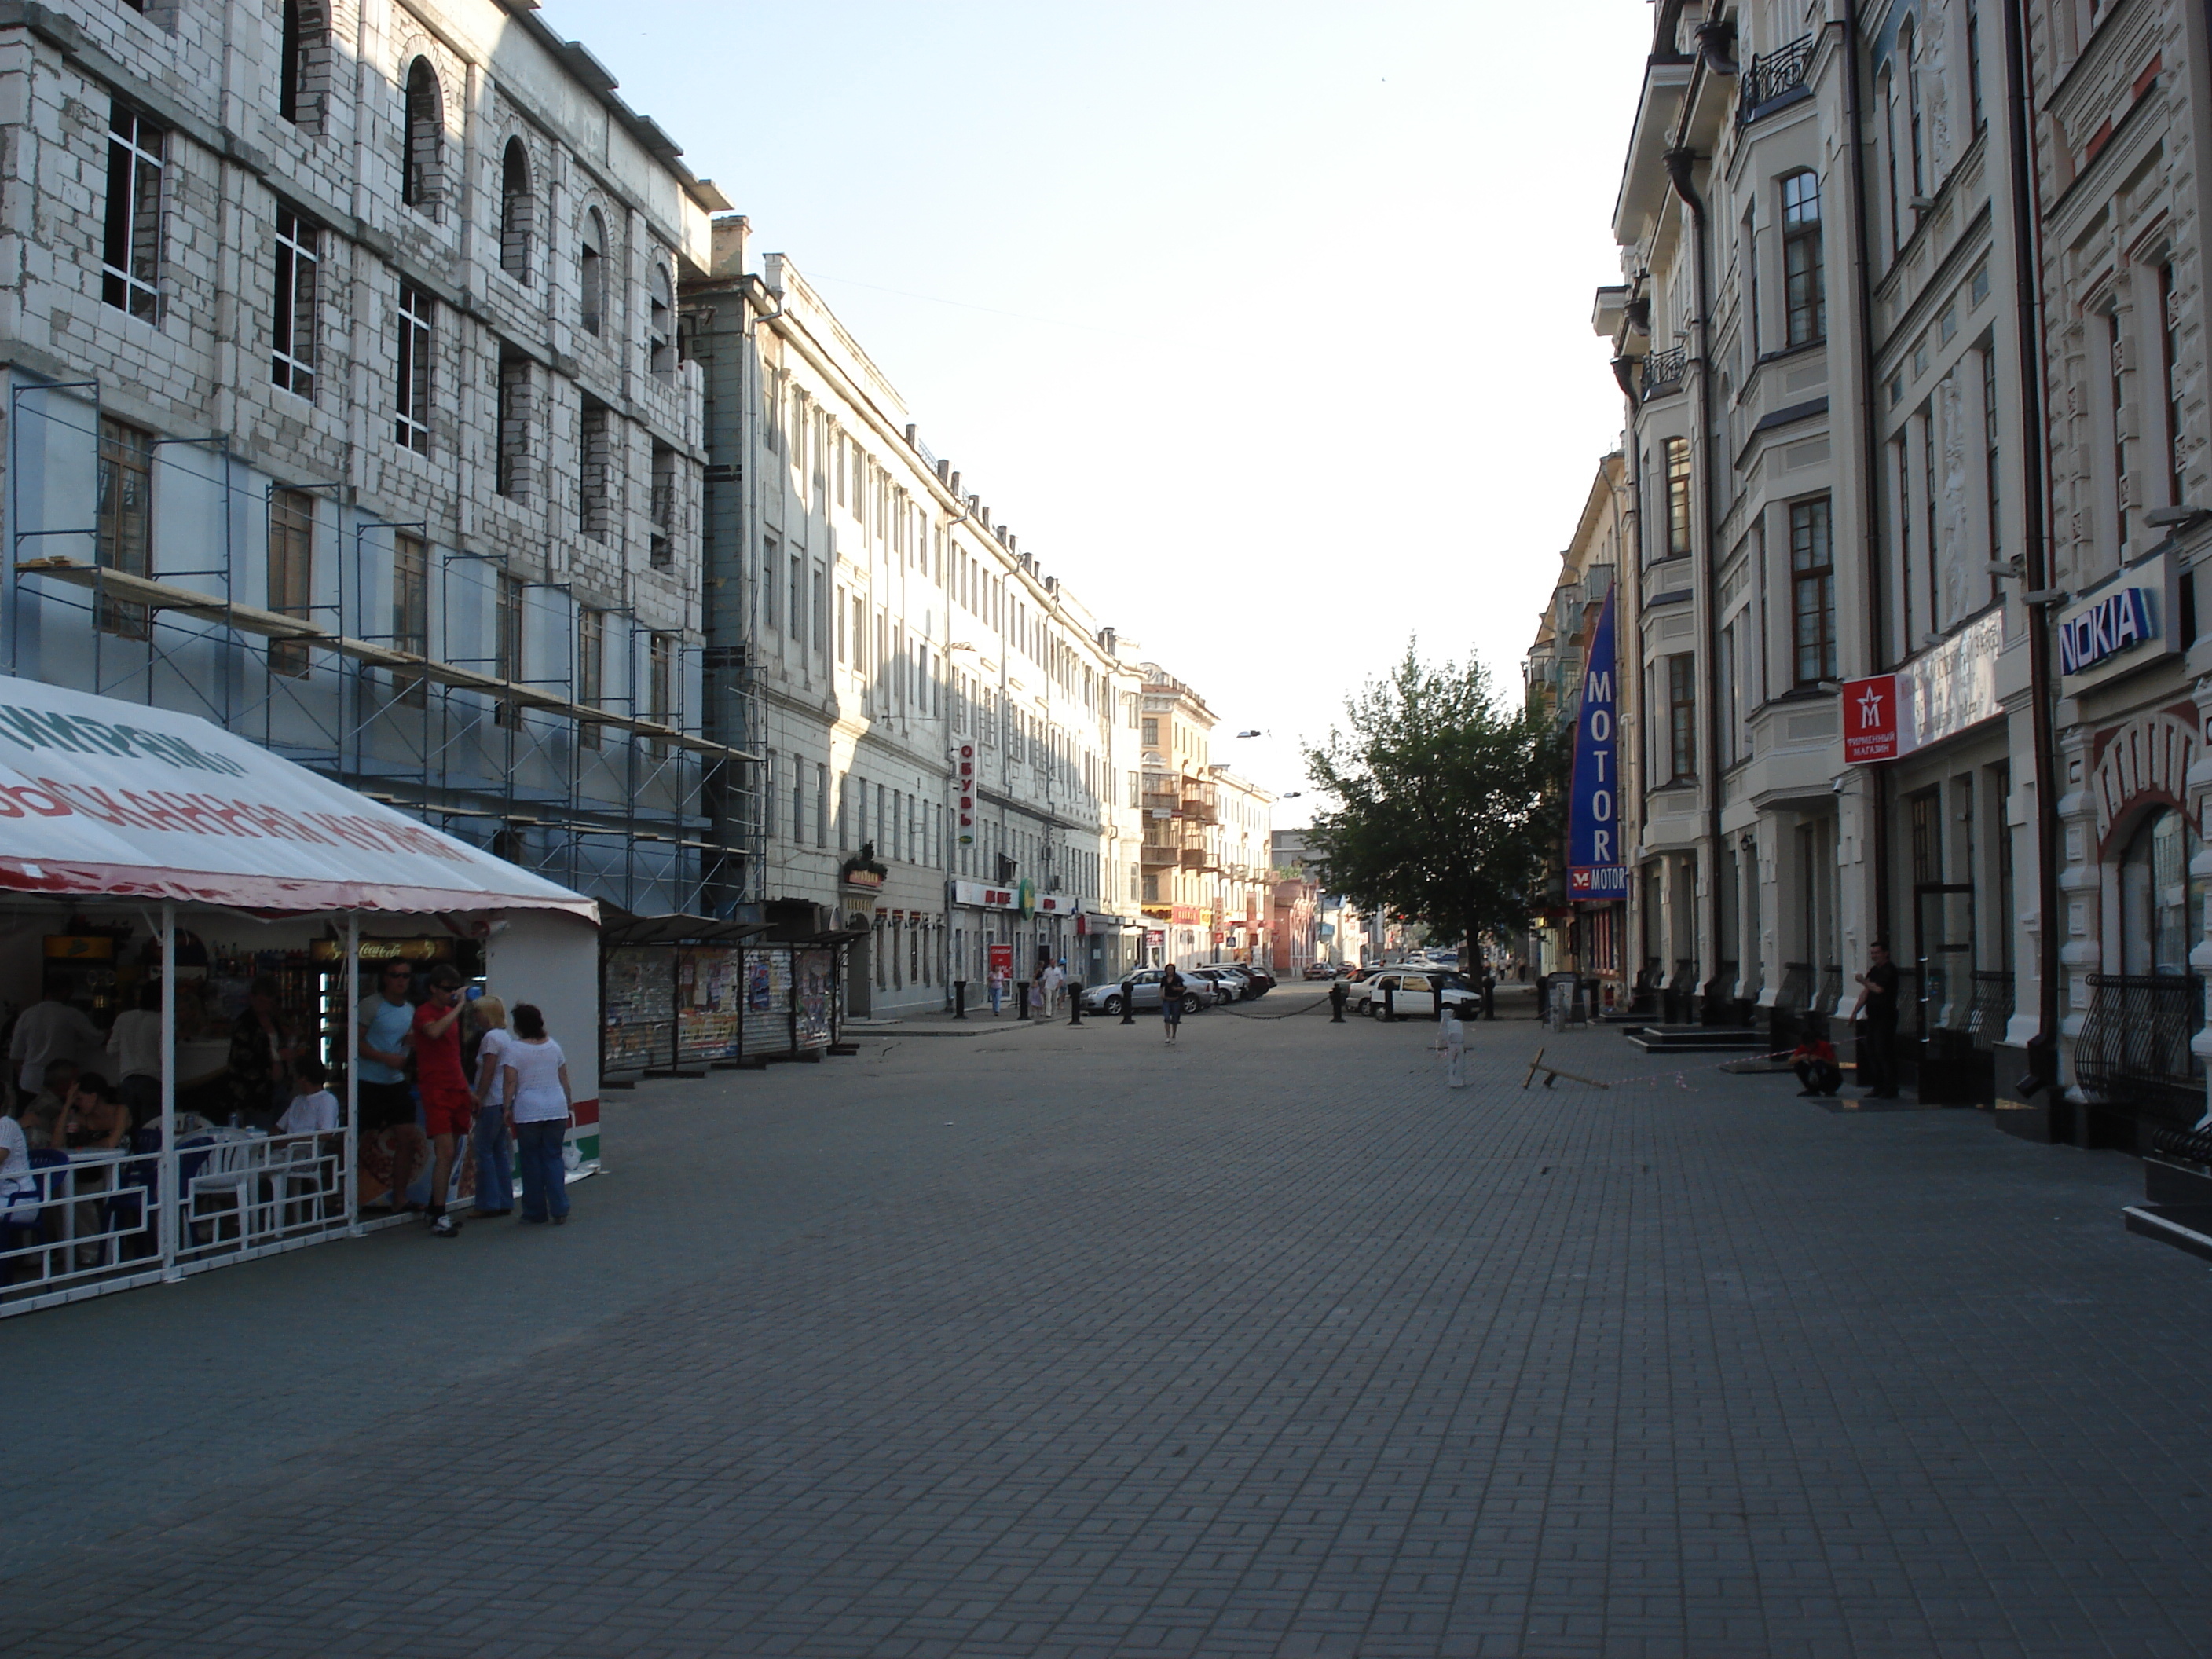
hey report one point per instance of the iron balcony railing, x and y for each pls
(1992, 1010)
(1663, 370)
(1770, 76)
(2134, 1046)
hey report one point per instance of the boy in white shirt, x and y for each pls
(314, 1108)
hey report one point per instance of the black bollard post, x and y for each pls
(1022, 996)
(1128, 1003)
(1074, 1003)
(1390, 1005)
(959, 999)
(1337, 994)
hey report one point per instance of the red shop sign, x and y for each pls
(1869, 719)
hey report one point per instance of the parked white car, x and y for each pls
(1412, 994)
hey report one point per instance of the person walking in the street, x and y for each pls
(494, 1177)
(1875, 1013)
(1171, 990)
(1055, 980)
(1451, 1038)
(449, 1107)
(539, 1108)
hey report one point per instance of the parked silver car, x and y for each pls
(1228, 985)
(1144, 993)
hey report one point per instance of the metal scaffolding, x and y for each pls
(462, 737)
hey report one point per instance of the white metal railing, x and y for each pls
(86, 1218)
(241, 1191)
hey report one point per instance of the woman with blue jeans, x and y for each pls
(494, 1173)
(539, 1107)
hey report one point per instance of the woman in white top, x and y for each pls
(495, 1171)
(539, 1108)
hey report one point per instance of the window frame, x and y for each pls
(296, 297)
(134, 227)
(1813, 592)
(1804, 275)
(414, 313)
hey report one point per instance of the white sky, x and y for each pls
(1265, 326)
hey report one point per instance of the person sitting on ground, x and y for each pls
(1813, 1059)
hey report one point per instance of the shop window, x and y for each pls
(2159, 896)
(1924, 814)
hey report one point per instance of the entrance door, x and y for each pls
(858, 998)
(1944, 954)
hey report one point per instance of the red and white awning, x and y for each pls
(103, 797)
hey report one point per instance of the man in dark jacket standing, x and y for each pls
(1875, 1013)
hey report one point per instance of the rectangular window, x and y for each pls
(1750, 257)
(411, 387)
(125, 518)
(1803, 281)
(662, 550)
(595, 484)
(1812, 591)
(1682, 717)
(798, 598)
(2117, 345)
(507, 638)
(797, 803)
(1974, 64)
(660, 682)
(292, 310)
(821, 611)
(821, 805)
(1151, 733)
(591, 670)
(1678, 498)
(517, 461)
(1992, 460)
(2169, 340)
(291, 572)
(410, 610)
(1900, 467)
(130, 277)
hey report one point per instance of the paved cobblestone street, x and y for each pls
(1061, 1342)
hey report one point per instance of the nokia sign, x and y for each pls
(2119, 621)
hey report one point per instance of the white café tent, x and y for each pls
(164, 819)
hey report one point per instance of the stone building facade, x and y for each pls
(347, 406)
(950, 736)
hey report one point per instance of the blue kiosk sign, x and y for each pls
(1594, 869)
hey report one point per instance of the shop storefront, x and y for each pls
(1038, 929)
(240, 905)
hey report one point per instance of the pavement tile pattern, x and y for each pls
(1073, 1344)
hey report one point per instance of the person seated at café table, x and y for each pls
(314, 1108)
(92, 1118)
(52, 1028)
(41, 1116)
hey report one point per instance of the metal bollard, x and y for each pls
(1337, 997)
(1021, 997)
(1390, 1005)
(959, 999)
(1074, 1003)
(1128, 1003)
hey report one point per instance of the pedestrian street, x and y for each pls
(1053, 1340)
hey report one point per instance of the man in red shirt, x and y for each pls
(449, 1106)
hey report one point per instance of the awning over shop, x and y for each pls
(100, 796)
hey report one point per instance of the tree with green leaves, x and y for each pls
(1450, 804)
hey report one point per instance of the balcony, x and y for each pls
(2134, 1046)
(1201, 804)
(1664, 372)
(1771, 76)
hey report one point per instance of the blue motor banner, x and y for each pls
(1594, 869)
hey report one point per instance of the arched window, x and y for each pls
(2161, 904)
(517, 212)
(592, 272)
(660, 326)
(422, 183)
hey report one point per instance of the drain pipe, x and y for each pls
(1680, 161)
(2043, 1048)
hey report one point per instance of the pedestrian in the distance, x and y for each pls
(998, 990)
(1451, 1038)
(539, 1108)
(495, 1172)
(1171, 990)
(1875, 1013)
